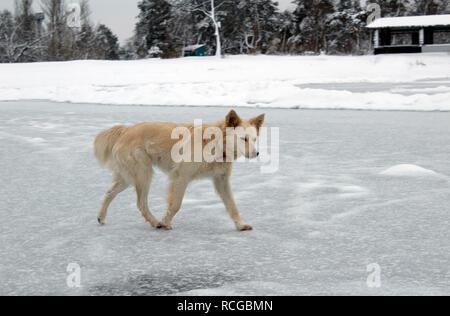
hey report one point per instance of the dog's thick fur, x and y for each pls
(132, 151)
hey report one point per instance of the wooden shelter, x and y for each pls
(411, 34)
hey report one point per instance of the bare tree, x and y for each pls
(20, 40)
(60, 40)
(209, 8)
(14, 49)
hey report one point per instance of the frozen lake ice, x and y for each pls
(329, 212)
(426, 86)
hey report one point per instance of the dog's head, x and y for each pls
(242, 135)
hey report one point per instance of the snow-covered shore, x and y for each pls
(391, 82)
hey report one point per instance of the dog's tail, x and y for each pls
(105, 141)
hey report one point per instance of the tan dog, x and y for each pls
(131, 152)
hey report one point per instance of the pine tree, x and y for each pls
(312, 18)
(346, 28)
(431, 7)
(106, 44)
(285, 31)
(258, 23)
(152, 30)
(84, 46)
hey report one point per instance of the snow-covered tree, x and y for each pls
(6, 33)
(192, 23)
(312, 18)
(346, 32)
(20, 40)
(259, 23)
(392, 7)
(285, 31)
(152, 38)
(106, 43)
(25, 20)
(210, 10)
(427, 7)
(128, 51)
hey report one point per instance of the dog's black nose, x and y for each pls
(257, 154)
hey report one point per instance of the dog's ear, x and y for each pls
(233, 119)
(257, 121)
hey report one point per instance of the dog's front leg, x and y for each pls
(175, 194)
(223, 188)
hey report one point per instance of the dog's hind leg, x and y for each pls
(142, 185)
(223, 188)
(119, 185)
(175, 193)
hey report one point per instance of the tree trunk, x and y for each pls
(217, 30)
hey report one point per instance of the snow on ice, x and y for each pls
(407, 170)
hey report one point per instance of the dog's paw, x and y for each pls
(162, 226)
(245, 227)
(101, 222)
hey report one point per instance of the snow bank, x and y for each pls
(407, 170)
(252, 81)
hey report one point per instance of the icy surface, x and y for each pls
(319, 221)
(385, 82)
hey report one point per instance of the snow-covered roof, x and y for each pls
(412, 21)
(193, 47)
